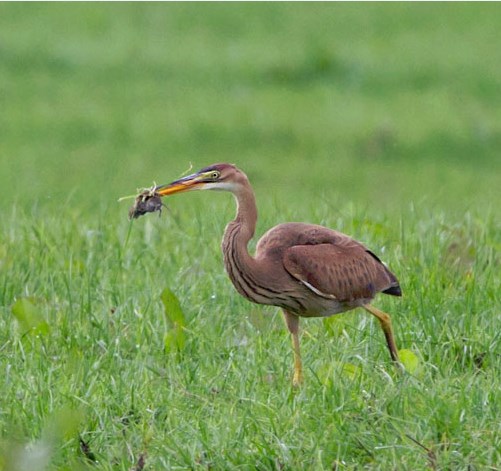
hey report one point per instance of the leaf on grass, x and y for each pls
(30, 317)
(63, 425)
(409, 359)
(329, 374)
(174, 340)
(352, 371)
(172, 308)
(334, 325)
(175, 337)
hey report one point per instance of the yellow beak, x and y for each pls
(191, 182)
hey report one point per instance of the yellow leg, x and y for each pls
(292, 322)
(385, 321)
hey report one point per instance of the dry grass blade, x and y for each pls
(141, 462)
(87, 452)
(432, 457)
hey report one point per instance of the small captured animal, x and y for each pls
(148, 201)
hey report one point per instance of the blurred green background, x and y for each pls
(382, 105)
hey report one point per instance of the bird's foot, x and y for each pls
(298, 379)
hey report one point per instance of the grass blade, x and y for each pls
(175, 337)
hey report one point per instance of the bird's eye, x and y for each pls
(214, 175)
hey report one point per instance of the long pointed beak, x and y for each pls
(191, 182)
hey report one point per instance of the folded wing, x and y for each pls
(346, 271)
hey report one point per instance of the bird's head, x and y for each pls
(222, 177)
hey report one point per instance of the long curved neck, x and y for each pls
(246, 217)
(242, 268)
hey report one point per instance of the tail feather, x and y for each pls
(393, 290)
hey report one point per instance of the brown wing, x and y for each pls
(345, 271)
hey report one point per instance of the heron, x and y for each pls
(307, 270)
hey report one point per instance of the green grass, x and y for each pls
(379, 120)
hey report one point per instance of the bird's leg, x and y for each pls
(385, 321)
(292, 322)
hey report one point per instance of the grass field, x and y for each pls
(379, 120)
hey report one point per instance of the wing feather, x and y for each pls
(345, 271)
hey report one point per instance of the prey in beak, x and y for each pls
(149, 200)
